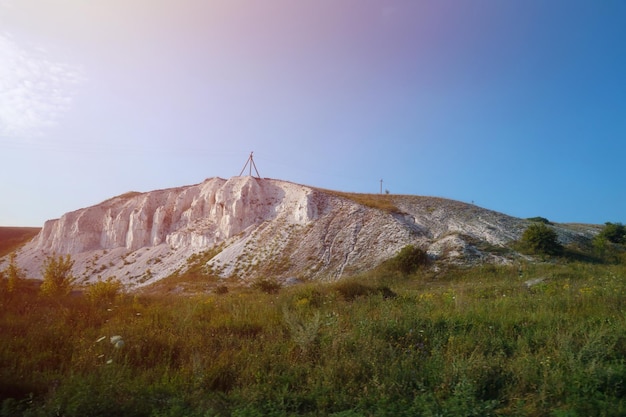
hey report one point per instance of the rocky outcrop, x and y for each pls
(264, 226)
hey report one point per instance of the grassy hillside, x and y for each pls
(376, 201)
(458, 342)
(12, 238)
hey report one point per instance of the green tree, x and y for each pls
(57, 275)
(538, 238)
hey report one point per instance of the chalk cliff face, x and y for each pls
(198, 216)
(258, 227)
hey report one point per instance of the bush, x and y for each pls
(409, 260)
(613, 232)
(221, 289)
(57, 275)
(608, 244)
(267, 285)
(541, 239)
(304, 328)
(13, 273)
(351, 289)
(104, 291)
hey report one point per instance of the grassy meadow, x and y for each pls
(458, 342)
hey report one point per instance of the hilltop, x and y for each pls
(244, 228)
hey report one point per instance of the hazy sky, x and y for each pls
(516, 105)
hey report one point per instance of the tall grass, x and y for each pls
(467, 342)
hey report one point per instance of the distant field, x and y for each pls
(12, 238)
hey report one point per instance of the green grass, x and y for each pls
(459, 342)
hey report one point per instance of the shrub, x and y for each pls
(409, 260)
(267, 285)
(303, 328)
(350, 289)
(104, 291)
(541, 239)
(13, 274)
(221, 289)
(613, 232)
(57, 275)
(608, 243)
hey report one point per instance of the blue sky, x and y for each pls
(518, 106)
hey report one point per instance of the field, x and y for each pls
(458, 342)
(12, 238)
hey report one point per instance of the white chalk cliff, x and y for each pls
(259, 227)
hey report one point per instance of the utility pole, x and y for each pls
(381, 185)
(250, 162)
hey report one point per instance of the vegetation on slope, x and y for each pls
(540, 239)
(460, 342)
(530, 339)
(382, 202)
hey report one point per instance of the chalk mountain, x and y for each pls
(256, 227)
